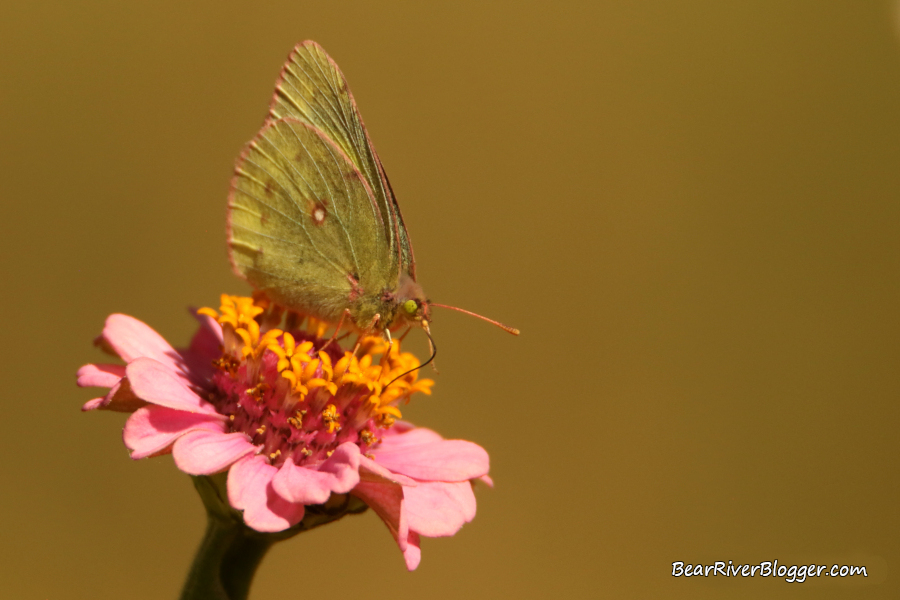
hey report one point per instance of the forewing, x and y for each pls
(312, 88)
(302, 219)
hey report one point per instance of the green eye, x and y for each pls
(410, 306)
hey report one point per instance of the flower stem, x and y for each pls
(231, 552)
(225, 562)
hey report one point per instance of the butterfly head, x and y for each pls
(412, 306)
(416, 310)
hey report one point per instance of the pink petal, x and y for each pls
(93, 404)
(155, 382)
(100, 375)
(386, 499)
(152, 429)
(487, 480)
(209, 336)
(120, 398)
(250, 490)
(400, 427)
(206, 346)
(413, 553)
(436, 509)
(338, 474)
(132, 339)
(369, 470)
(407, 435)
(207, 452)
(444, 460)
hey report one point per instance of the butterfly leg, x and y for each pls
(366, 331)
(337, 329)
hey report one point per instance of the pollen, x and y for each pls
(292, 389)
(297, 419)
(258, 390)
(367, 437)
(330, 416)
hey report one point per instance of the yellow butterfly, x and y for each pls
(312, 220)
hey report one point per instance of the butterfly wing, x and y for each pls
(312, 89)
(302, 220)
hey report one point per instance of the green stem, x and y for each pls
(226, 561)
(231, 552)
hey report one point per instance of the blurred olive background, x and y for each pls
(690, 209)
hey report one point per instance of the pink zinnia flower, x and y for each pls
(291, 417)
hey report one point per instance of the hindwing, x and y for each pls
(302, 221)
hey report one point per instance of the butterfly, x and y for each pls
(312, 220)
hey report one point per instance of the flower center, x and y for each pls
(296, 393)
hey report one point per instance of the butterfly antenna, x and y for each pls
(506, 328)
(433, 354)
